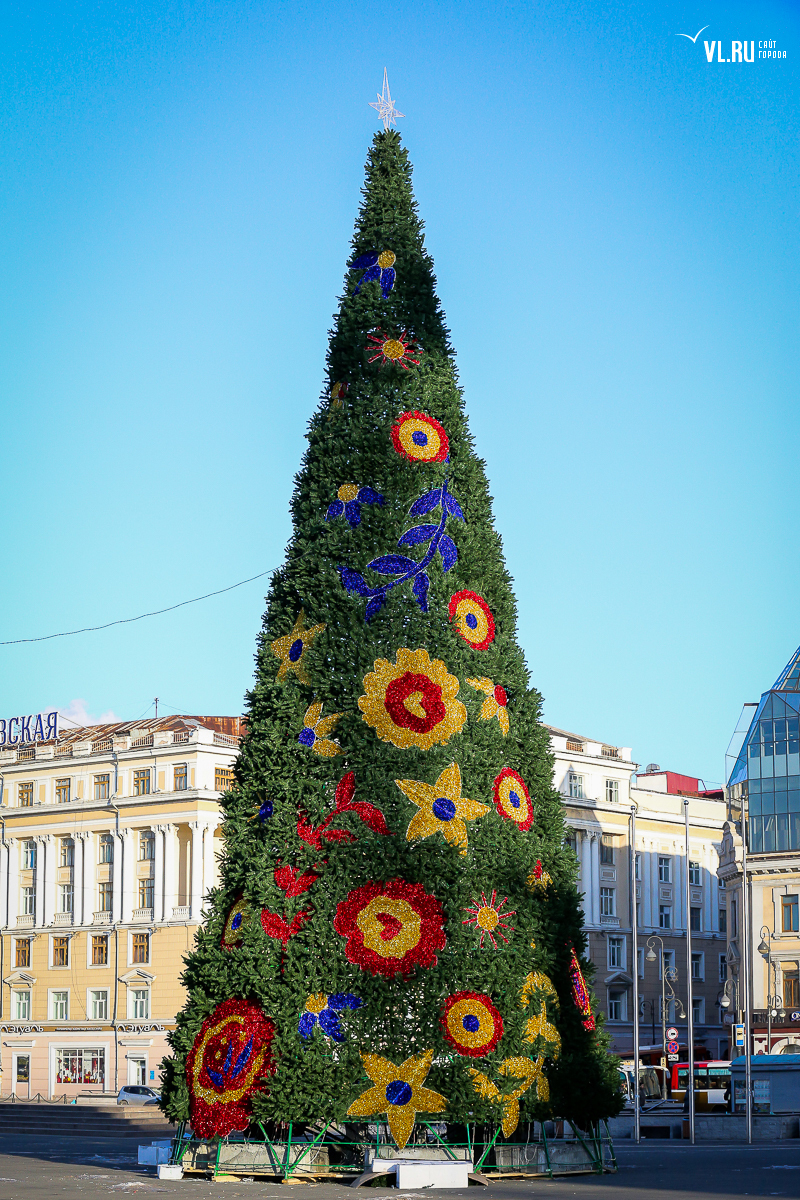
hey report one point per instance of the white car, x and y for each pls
(134, 1093)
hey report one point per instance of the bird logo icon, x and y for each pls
(693, 40)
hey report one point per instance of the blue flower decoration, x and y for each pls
(376, 266)
(324, 1011)
(349, 499)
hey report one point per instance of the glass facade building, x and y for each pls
(765, 781)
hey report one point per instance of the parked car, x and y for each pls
(134, 1093)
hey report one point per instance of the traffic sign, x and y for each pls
(672, 1034)
(672, 1047)
(673, 1057)
(738, 1035)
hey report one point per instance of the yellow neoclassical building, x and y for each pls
(108, 843)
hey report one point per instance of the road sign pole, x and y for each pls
(690, 1013)
(635, 974)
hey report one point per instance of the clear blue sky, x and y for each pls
(614, 222)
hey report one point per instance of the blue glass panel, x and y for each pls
(767, 765)
(754, 806)
(755, 787)
(756, 838)
(768, 785)
(780, 730)
(767, 709)
(794, 801)
(792, 701)
(794, 831)
(793, 758)
(794, 780)
(766, 731)
(754, 768)
(769, 834)
(767, 748)
(767, 804)
(781, 783)
(781, 802)
(779, 762)
(755, 749)
(778, 707)
(783, 832)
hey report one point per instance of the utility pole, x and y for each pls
(156, 704)
(635, 973)
(690, 1012)
(748, 1107)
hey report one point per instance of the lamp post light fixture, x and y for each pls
(651, 956)
(765, 948)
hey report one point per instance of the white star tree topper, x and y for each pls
(385, 104)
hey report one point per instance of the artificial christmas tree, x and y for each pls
(397, 927)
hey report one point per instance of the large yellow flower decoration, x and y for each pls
(398, 1092)
(412, 703)
(291, 648)
(441, 807)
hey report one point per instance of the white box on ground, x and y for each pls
(151, 1156)
(170, 1171)
(432, 1174)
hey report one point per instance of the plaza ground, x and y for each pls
(71, 1168)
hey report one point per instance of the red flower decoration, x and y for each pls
(420, 438)
(276, 926)
(471, 1023)
(511, 798)
(345, 791)
(229, 1060)
(473, 618)
(391, 927)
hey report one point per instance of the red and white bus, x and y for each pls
(711, 1080)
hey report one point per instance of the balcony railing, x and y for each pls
(102, 918)
(102, 746)
(181, 735)
(147, 740)
(224, 739)
(62, 918)
(142, 914)
(610, 752)
(26, 754)
(181, 912)
(577, 746)
(25, 920)
(64, 751)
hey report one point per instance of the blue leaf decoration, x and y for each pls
(340, 1000)
(387, 280)
(372, 273)
(420, 590)
(228, 1058)
(453, 507)
(426, 503)
(241, 1061)
(392, 564)
(447, 549)
(215, 1077)
(352, 512)
(368, 495)
(305, 1026)
(334, 510)
(329, 1023)
(374, 606)
(352, 581)
(413, 537)
(364, 260)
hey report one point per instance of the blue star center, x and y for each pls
(471, 1023)
(307, 737)
(295, 650)
(443, 809)
(236, 922)
(514, 799)
(419, 438)
(471, 620)
(398, 1092)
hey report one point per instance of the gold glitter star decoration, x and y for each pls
(538, 1025)
(496, 702)
(398, 1092)
(316, 728)
(441, 808)
(528, 1071)
(291, 649)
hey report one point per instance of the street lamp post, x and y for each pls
(635, 973)
(651, 957)
(765, 948)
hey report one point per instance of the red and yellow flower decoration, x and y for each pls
(473, 618)
(232, 932)
(393, 349)
(391, 927)
(511, 798)
(229, 1060)
(420, 438)
(471, 1023)
(398, 1092)
(413, 702)
(441, 808)
(495, 704)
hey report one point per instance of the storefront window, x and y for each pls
(80, 1066)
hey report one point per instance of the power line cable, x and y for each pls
(129, 620)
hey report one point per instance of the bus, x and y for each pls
(649, 1083)
(711, 1081)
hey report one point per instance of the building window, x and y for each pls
(723, 968)
(60, 951)
(637, 866)
(139, 1003)
(695, 923)
(28, 898)
(576, 786)
(59, 1006)
(146, 893)
(665, 916)
(141, 948)
(616, 952)
(98, 1004)
(29, 856)
(25, 795)
(723, 920)
(789, 914)
(698, 966)
(694, 873)
(102, 785)
(22, 952)
(141, 782)
(81, 1066)
(106, 848)
(181, 778)
(668, 961)
(664, 869)
(66, 897)
(608, 902)
(640, 956)
(67, 852)
(617, 1005)
(147, 846)
(62, 791)
(99, 950)
(223, 778)
(105, 895)
(791, 989)
(612, 791)
(698, 1010)
(22, 1005)
(734, 918)
(607, 850)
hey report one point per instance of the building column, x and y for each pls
(709, 876)
(681, 919)
(87, 877)
(208, 858)
(196, 888)
(586, 875)
(654, 883)
(170, 869)
(596, 878)
(158, 870)
(5, 888)
(646, 883)
(13, 882)
(116, 877)
(41, 859)
(129, 897)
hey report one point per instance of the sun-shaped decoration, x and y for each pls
(489, 918)
(291, 648)
(393, 349)
(441, 807)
